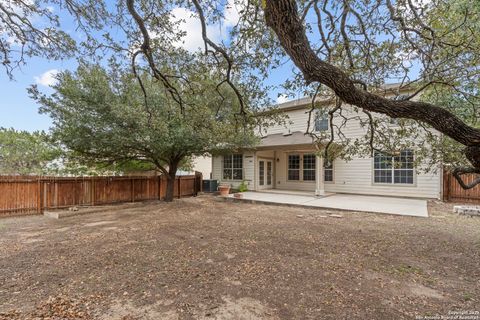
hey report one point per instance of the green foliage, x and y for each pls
(243, 187)
(444, 148)
(103, 116)
(26, 153)
(462, 96)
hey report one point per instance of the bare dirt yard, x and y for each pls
(201, 258)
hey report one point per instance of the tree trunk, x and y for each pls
(172, 173)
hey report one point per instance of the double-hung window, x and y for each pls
(321, 121)
(294, 167)
(233, 167)
(302, 167)
(308, 167)
(395, 170)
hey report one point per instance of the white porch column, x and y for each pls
(319, 181)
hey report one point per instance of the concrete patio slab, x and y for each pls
(390, 205)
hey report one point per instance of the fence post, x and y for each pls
(92, 191)
(39, 201)
(198, 182)
(75, 188)
(449, 190)
(446, 185)
(55, 181)
(132, 189)
(160, 187)
(179, 187)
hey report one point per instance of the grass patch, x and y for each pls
(467, 296)
(405, 269)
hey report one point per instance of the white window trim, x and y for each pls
(300, 168)
(323, 116)
(406, 185)
(301, 154)
(243, 168)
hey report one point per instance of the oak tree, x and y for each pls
(347, 49)
(106, 115)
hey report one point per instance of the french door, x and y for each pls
(265, 174)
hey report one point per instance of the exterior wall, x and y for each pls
(281, 181)
(297, 121)
(269, 155)
(203, 165)
(355, 176)
(248, 171)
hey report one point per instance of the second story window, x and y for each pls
(321, 121)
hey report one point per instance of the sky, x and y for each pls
(20, 112)
(16, 108)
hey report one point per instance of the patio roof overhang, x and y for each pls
(284, 141)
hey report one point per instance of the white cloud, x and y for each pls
(190, 23)
(282, 98)
(47, 78)
(232, 14)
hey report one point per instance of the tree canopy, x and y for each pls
(347, 49)
(26, 153)
(108, 116)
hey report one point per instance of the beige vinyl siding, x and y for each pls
(248, 170)
(281, 174)
(297, 121)
(204, 165)
(355, 176)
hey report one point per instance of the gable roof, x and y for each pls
(301, 103)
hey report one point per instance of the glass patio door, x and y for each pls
(265, 174)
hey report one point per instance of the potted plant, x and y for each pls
(224, 189)
(241, 188)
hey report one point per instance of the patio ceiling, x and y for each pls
(296, 138)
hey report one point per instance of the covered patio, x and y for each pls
(350, 202)
(289, 162)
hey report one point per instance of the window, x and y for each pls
(233, 167)
(396, 170)
(261, 172)
(269, 172)
(328, 171)
(293, 167)
(309, 167)
(321, 121)
(403, 168)
(301, 167)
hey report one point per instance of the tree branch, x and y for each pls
(282, 16)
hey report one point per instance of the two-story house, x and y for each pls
(286, 160)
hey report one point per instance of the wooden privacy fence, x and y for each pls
(31, 195)
(452, 191)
